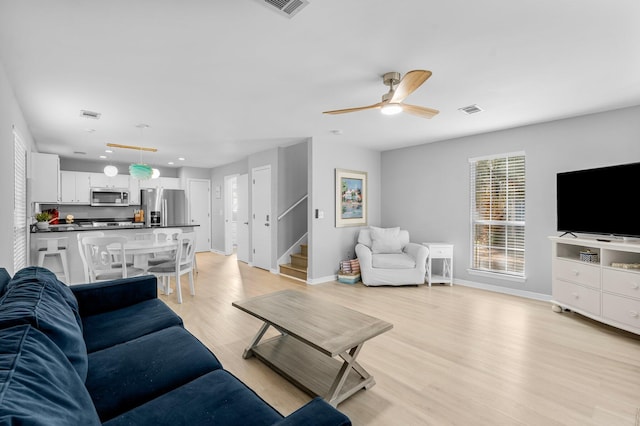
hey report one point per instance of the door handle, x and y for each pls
(266, 224)
(246, 223)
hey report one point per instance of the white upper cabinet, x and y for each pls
(161, 182)
(75, 187)
(45, 178)
(100, 180)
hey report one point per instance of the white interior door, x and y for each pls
(230, 208)
(200, 212)
(261, 217)
(242, 243)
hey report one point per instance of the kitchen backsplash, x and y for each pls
(88, 212)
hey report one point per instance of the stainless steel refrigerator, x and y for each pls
(164, 207)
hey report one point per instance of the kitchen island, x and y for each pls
(71, 231)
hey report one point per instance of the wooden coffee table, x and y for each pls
(312, 333)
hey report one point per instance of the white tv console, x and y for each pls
(598, 290)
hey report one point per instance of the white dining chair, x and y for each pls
(104, 257)
(182, 264)
(164, 234)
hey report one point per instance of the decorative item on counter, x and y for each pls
(138, 215)
(589, 256)
(69, 218)
(54, 216)
(42, 220)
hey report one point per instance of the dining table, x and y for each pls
(141, 250)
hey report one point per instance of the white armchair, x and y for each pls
(388, 258)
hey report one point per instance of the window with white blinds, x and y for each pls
(498, 214)
(19, 205)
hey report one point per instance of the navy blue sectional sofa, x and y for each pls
(112, 353)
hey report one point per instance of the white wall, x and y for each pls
(328, 244)
(425, 188)
(10, 116)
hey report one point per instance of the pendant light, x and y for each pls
(141, 170)
(110, 170)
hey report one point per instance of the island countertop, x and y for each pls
(84, 226)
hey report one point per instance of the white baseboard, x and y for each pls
(321, 280)
(218, 252)
(504, 290)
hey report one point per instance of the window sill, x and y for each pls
(496, 275)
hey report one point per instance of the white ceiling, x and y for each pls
(217, 80)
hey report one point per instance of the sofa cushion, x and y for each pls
(393, 261)
(4, 280)
(217, 398)
(125, 376)
(118, 326)
(38, 385)
(385, 240)
(35, 296)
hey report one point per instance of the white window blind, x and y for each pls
(19, 205)
(498, 214)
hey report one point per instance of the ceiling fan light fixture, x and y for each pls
(391, 109)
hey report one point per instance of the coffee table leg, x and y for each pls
(334, 396)
(248, 352)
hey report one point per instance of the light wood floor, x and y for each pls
(456, 355)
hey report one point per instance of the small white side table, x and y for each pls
(444, 253)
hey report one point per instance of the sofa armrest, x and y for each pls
(318, 413)
(364, 255)
(418, 252)
(105, 296)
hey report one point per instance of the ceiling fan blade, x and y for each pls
(410, 82)
(343, 111)
(419, 111)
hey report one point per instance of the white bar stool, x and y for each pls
(54, 247)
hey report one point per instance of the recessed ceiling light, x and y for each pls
(108, 151)
(103, 156)
(181, 158)
(170, 163)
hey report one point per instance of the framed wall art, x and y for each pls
(351, 198)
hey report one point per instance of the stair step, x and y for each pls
(303, 250)
(292, 271)
(299, 261)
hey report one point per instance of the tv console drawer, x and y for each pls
(577, 272)
(621, 309)
(622, 282)
(576, 296)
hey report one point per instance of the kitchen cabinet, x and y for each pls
(45, 178)
(75, 187)
(161, 182)
(134, 191)
(100, 180)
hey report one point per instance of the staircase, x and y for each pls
(298, 267)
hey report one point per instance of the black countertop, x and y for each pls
(88, 226)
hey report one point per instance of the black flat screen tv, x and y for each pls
(599, 201)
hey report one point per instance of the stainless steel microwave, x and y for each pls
(109, 197)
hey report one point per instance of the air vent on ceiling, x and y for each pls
(288, 8)
(89, 114)
(471, 109)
